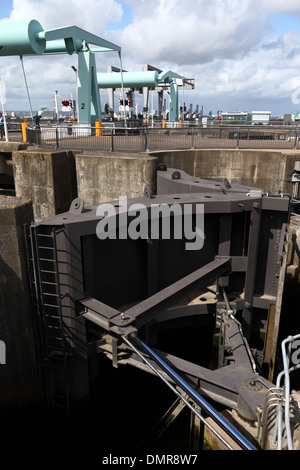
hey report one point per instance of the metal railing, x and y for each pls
(276, 421)
(286, 346)
(115, 137)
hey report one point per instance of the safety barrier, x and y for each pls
(116, 137)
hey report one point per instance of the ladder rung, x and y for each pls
(44, 235)
(51, 317)
(45, 247)
(50, 283)
(52, 327)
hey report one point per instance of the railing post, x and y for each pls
(112, 140)
(295, 145)
(146, 140)
(38, 134)
(193, 139)
(238, 139)
(56, 138)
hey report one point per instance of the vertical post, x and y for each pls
(146, 140)
(24, 130)
(88, 92)
(238, 139)
(183, 99)
(56, 138)
(295, 145)
(193, 139)
(196, 431)
(3, 112)
(56, 105)
(123, 93)
(253, 246)
(29, 101)
(98, 125)
(174, 101)
(112, 140)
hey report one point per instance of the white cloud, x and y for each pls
(281, 6)
(187, 33)
(228, 46)
(92, 15)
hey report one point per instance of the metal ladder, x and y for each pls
(54, 345)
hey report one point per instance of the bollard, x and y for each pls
(24, 133)
(180, 122)
(163, 124)
(98, 127)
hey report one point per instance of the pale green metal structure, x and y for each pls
(149, 79)
(28, 38)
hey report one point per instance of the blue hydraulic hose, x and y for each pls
(230, 430)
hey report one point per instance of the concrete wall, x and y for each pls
(269, 170)
(105, 177)
(18, 376)
(6, 167)
(47, 178)
(53, 179)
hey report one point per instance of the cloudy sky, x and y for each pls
(244, 55)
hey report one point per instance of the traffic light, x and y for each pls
(126, 102)
(66, 103)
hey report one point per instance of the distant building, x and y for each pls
(288, 118)
(260, 117)
(234, 117)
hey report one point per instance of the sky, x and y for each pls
(244, 55)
